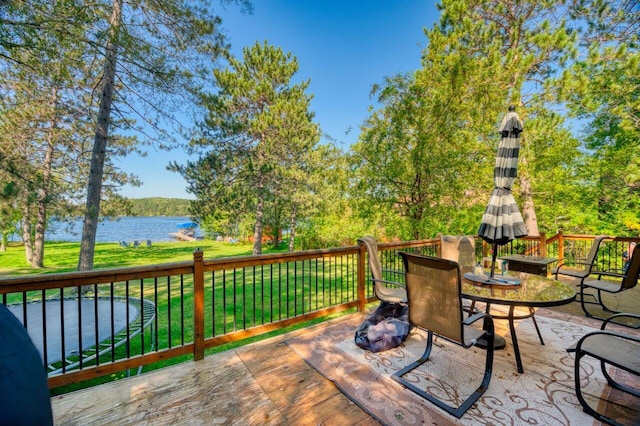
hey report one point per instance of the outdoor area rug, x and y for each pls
(544, 394)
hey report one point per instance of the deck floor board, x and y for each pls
(264, 383)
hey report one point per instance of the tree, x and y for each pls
(482, 56)
(420, 154)
(255, 138)
(331, 216)
(154, 50)
(531, 39)
(46, 111)
(40, 108)
(149, 56)
(602, 88)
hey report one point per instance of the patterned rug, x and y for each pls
(543, 395)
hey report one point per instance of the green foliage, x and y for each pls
(158, 206)
(602, 89)
(255, 144)
(64, 256)
(421, 155)
(425, 156)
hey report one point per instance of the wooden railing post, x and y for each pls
(198, 305)
(360, 279)
(543, 244)
(560, 245)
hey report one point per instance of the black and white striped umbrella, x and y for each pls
(502, 221)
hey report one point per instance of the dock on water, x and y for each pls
(181, 236)
(186, 231)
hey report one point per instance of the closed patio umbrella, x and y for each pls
(502, 221)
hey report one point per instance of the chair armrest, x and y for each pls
(393, 271)
(561, 263)
(622, 314)
(558, 263)
(487, 326)
(388, 282)
(475, 317)
(601, 274)
(577, 347)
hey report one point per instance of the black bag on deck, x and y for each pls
(384, 328)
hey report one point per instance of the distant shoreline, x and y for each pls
(127, 229)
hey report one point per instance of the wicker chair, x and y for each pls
(435, 305)
(385, 290)
(611, 348)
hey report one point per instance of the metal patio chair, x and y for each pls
(611, 348)
(435, 304)
(460, 249)
(385, 290)
(609, 282)
(586, 266)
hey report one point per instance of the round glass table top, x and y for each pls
(517, 288)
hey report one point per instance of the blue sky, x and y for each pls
(344, 47)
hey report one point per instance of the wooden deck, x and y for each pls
(261, 383)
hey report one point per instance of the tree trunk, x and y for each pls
(528, 209)
(43, 193)
(26, 233)
(94, 186)
(257, 230)
(292, 231)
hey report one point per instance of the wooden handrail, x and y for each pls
(198, 336)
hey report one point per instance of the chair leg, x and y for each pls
(488, 367)
(421, 360)
(473, 398)
(582, 303)
(585, 406)
(599, 302)
(617, 385)
(604, 307)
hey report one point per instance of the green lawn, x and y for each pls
(247, 286)
(63, 257)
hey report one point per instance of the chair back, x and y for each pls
(374, 261)
(593, 252)
(460, 249)
(433, 294)
(631, 278)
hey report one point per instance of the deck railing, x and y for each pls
(130, 317)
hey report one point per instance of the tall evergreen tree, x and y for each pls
(41, 120)
(154, 51)
(529, 41)
(256, 136)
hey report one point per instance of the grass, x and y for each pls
(186, 358)
(246, 286)
(63, 256)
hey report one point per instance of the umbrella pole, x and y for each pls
(493, 259)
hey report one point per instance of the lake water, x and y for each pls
(125, 228)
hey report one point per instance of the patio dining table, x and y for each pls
(517, 290)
